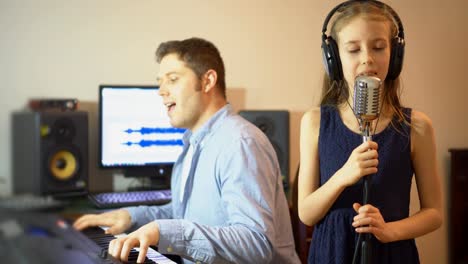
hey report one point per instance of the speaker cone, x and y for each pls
(64, 130)
(63, 165)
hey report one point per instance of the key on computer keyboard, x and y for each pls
(122, 199)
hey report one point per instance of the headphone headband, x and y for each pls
(401, 33)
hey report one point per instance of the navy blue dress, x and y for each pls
(334, 238)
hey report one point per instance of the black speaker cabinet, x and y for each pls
(50, 152)
(275, 124)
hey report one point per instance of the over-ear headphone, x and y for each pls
(331, 55)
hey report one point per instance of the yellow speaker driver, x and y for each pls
(63, 165)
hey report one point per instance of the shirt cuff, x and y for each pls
(137, 214)
(171, 236)
(176, 238)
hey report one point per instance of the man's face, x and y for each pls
(181, 91)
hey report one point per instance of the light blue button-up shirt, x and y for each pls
(233, 209)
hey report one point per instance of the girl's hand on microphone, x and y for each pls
(362, 161)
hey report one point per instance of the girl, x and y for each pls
(366, 38)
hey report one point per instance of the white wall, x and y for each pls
(271, 49)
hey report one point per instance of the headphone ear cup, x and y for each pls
(331, 59)
(396, 58)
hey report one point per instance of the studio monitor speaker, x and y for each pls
(275, 125)
(50, 152)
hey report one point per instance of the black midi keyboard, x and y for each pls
(44, 238)
(102, 239)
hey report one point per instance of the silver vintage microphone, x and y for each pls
(366, 109)
(366, 102)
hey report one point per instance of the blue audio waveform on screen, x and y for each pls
(149, 143)
(156, 142)
(156, 130)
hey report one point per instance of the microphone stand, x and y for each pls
(364, 244)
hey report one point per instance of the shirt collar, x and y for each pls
(212, 124)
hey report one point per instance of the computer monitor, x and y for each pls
(135, 133)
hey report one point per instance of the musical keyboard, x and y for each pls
(97, 235)
(45, 238)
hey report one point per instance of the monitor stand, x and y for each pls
(158, 176)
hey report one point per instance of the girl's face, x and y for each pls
(364, 47)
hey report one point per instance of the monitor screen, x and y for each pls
(135, 131)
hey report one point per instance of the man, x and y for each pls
(228, 204)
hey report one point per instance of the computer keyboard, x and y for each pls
(131, 198)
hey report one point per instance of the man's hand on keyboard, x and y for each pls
(118, 221)
(143, 237)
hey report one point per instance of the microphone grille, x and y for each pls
(367, 97)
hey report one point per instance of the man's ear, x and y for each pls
(209, 80)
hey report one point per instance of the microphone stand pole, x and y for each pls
(366, 242)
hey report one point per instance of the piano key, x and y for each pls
(97, 235)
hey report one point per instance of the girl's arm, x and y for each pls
(314, 202)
